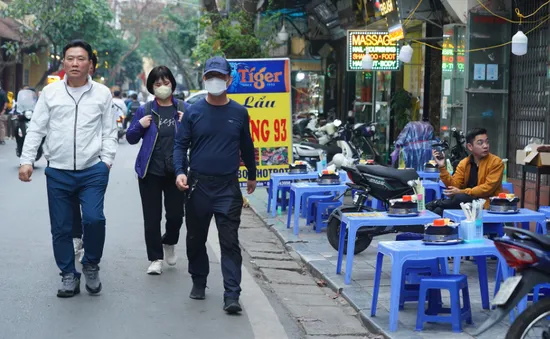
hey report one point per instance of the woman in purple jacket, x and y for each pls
(156, 122)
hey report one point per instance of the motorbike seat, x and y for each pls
(312, 145)
(521, 234)
(403, 176)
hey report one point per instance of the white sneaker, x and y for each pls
(78, 245)
(155, 268)
(170, 254)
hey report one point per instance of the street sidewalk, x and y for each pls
(320, 258)
(319, 312)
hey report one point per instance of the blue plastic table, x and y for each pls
(277, 178)
(524, 216)
(296, 192)
(401, 251)
(354, 221)
(428, 175)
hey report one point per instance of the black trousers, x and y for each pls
(220, 197)
(77, 220)
(438, 206)
(151, 189)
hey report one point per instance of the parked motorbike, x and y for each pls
(352, 140)
(26, 101)
(303, 129)
(364, 138)
(120, 127)
(458, 151)
(331, 142)
(529, 254)
(381, 182)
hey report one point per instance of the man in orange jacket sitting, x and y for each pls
(477, 176)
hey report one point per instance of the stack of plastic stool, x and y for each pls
(413, 271)
(322, 210)
(304, 208)
(453, 283)
(310, 205)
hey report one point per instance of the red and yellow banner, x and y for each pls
(263, 87)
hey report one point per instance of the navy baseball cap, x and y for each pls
(217, 64)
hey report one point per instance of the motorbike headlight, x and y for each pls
(28, 114)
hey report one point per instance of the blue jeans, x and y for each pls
(64, 187)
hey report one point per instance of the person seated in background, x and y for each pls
(416, 141)
(477, 176)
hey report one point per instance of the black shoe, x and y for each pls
(231, 306)
(70, 286)
(197, 292)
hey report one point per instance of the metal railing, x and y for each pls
(529, 110)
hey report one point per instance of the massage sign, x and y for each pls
(380, 46)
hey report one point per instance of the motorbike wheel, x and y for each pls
(362, 242)
(529, 318)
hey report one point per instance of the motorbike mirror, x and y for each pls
(337, 123)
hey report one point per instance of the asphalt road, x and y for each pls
(132, 303)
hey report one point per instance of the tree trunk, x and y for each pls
(113, 72)
(54, 66)
(174, 56)
(211, 7)
(250, 6)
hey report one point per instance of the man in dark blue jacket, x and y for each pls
(217, 131)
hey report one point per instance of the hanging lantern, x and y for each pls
(367, 62)
(406, 54)
(519, 43)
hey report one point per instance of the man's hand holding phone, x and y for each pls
(439, 157)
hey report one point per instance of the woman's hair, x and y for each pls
(160, 72)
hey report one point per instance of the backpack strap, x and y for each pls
(181, 106)
(149, 111)
(148, 108)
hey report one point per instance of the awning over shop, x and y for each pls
(9, 29)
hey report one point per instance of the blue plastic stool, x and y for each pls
(453, 283)
(310, 205)
(414, 271)
(304, 208)
(377, 204)
(322, 210)
(282, 201)
(537, 290)
(508, 186)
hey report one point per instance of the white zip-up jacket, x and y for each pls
(79, 134)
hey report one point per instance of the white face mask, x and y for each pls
(163, 92)
(215, 86)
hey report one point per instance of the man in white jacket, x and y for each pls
(75, 117)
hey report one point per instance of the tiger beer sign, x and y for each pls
(262, 86)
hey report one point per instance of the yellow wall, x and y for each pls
(36, 70)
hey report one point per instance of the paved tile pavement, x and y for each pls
(320, 257)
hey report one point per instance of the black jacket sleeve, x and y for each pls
(247, 148)
(181, 145)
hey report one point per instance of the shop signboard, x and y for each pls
(262, 86)
(388, 9)
(53, 78)
(451, 53)
(380, 46)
